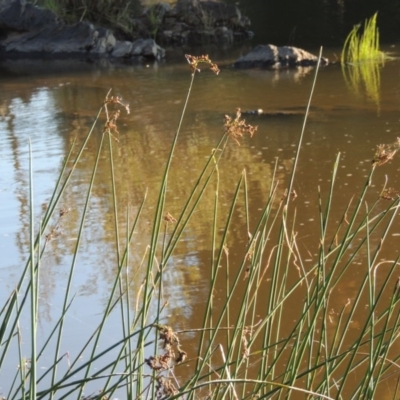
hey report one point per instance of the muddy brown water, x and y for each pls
(50, 105)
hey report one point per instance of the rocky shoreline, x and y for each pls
(27, 31)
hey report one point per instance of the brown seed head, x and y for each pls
(236, 128)
(195, 61)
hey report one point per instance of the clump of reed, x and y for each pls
(361, 47)
(362, 59)
(242, 353)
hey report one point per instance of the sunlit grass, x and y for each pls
(270, 346)
(363, 46)
(362, 59)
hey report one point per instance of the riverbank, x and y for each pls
(30, 31)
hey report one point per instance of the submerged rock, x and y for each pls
(270, 56)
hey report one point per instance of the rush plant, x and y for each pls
(363, 45)
(362, 59)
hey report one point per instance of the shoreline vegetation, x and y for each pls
(362, 59)
(183, 22)
(301, 24)
(241, 354)
(100, 29)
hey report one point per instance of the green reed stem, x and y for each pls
(299, 147)
(73, 263)
(125, 328)
(53, 203)
(33, 279)
(156, 232)
(223, 241)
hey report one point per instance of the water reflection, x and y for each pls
(365, 77)
(53, 111)
(26, 119)
(54, 114)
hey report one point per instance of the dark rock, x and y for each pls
(147, 48)
(6, 3)
(122, 49)
(270, 56)
(29, 30)
(223, 34)
(170, 23)
(204, 21)
(180, 27)
(141, 48)
(184, 7)
(220, 13)
(244, 22)
(64, 39)
(104, 41)
(208, 13)
(22, 17)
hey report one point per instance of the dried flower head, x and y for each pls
(389, 194)
(55, 231)
(110, 126)
(64, 211)
(182, 356)
(165, 387)
(385, 153)
(117, 100)
(169, 218)
(236, 127)
(161, 362)
(167, 334)
(171, 347)
(111, 123)
(195, 61)
(293, 195)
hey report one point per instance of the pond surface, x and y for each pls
(49, 105)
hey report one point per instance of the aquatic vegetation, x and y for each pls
(333, 345)
(365, 46)
(362, 59)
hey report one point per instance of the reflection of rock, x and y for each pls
(279, 75)
(287, 112)
(27, 29)
(270, 56)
